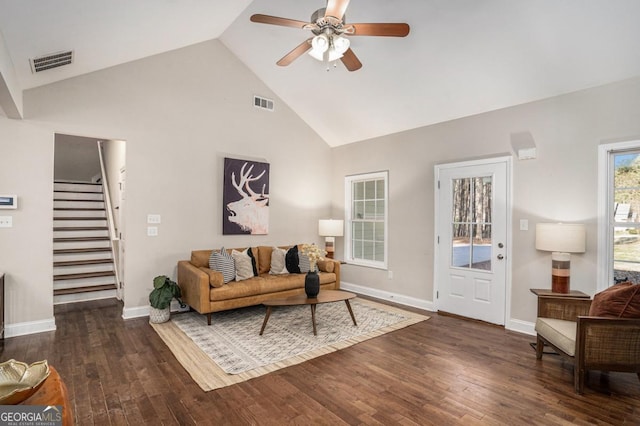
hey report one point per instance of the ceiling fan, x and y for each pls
(329, 28)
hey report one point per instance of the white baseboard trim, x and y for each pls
(135, 312)
(386, 295)
(30, 327)
(520, 326)
(143, 311)
(516, 325)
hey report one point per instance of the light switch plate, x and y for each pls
(152, 231)
(524, 225)
(153, 218)
(6, 221)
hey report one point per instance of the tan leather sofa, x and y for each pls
(203, 289)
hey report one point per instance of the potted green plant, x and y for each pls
(164, 290)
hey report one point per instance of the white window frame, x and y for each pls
(605, 213)
(348, 186)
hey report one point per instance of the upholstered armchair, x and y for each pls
(590, 342)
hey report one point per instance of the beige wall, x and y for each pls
(560, 185)
(26, 249)
(181, 113)
(75, 158)
(10, 94)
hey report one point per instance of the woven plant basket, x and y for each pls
(157, 316)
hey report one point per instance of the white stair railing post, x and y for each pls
(115, 239)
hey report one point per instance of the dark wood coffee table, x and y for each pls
(325, 296)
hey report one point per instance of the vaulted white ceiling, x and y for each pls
(462, 57)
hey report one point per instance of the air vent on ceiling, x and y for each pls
(52, 60)
(263, 103)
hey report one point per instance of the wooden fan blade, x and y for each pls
(336, 8)
(295, 53)
(381, 29)
(275, 20)
(351, 61)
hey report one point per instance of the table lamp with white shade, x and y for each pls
(561, 239)
(330, 229)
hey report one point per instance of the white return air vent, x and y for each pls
(263, 103)
(52, 60)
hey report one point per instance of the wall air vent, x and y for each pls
(52, 60)
(263, 103)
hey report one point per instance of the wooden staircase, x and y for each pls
(83, 267)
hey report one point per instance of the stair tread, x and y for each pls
(79, 218)
(83, 262)
(81, 228)
(68, 191)
(81, 250)
(86, 289)
(79, 208)
(78, 239)
(83, 275)
(76, 182)
(83, 200)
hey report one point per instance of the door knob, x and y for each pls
(500, 257)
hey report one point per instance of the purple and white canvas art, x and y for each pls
(245, 197)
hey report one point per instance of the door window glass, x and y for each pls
(625, 226)
(471, 223)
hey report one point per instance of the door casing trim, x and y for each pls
(507, 160)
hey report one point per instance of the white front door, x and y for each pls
(471, 239)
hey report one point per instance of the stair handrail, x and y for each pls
(110, 222)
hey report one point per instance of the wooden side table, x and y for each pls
(545, 292)
(53, 392)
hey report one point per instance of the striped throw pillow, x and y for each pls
(223, 262)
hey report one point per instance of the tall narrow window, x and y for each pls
(624, 207)
(366, 198)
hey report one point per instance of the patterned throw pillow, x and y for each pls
(223, 262)
(278, 261)
(244, 266)
(303, 263)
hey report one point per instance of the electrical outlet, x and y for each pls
(6, 221)
(390, 275)
(152, 231)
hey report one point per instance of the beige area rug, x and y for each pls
(231, 350)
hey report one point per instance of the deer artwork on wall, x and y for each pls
(246, 197)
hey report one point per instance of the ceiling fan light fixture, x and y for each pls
(320, 43)
(328, 48)
(341, 44)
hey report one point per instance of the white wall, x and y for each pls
(181, 113)
(560, 185)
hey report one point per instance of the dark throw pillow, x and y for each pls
(291, 260)
(254, 265)
(619, 301)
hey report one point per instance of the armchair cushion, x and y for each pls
(560, 333)
(619, 301)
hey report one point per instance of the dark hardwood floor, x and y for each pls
(443, 371)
